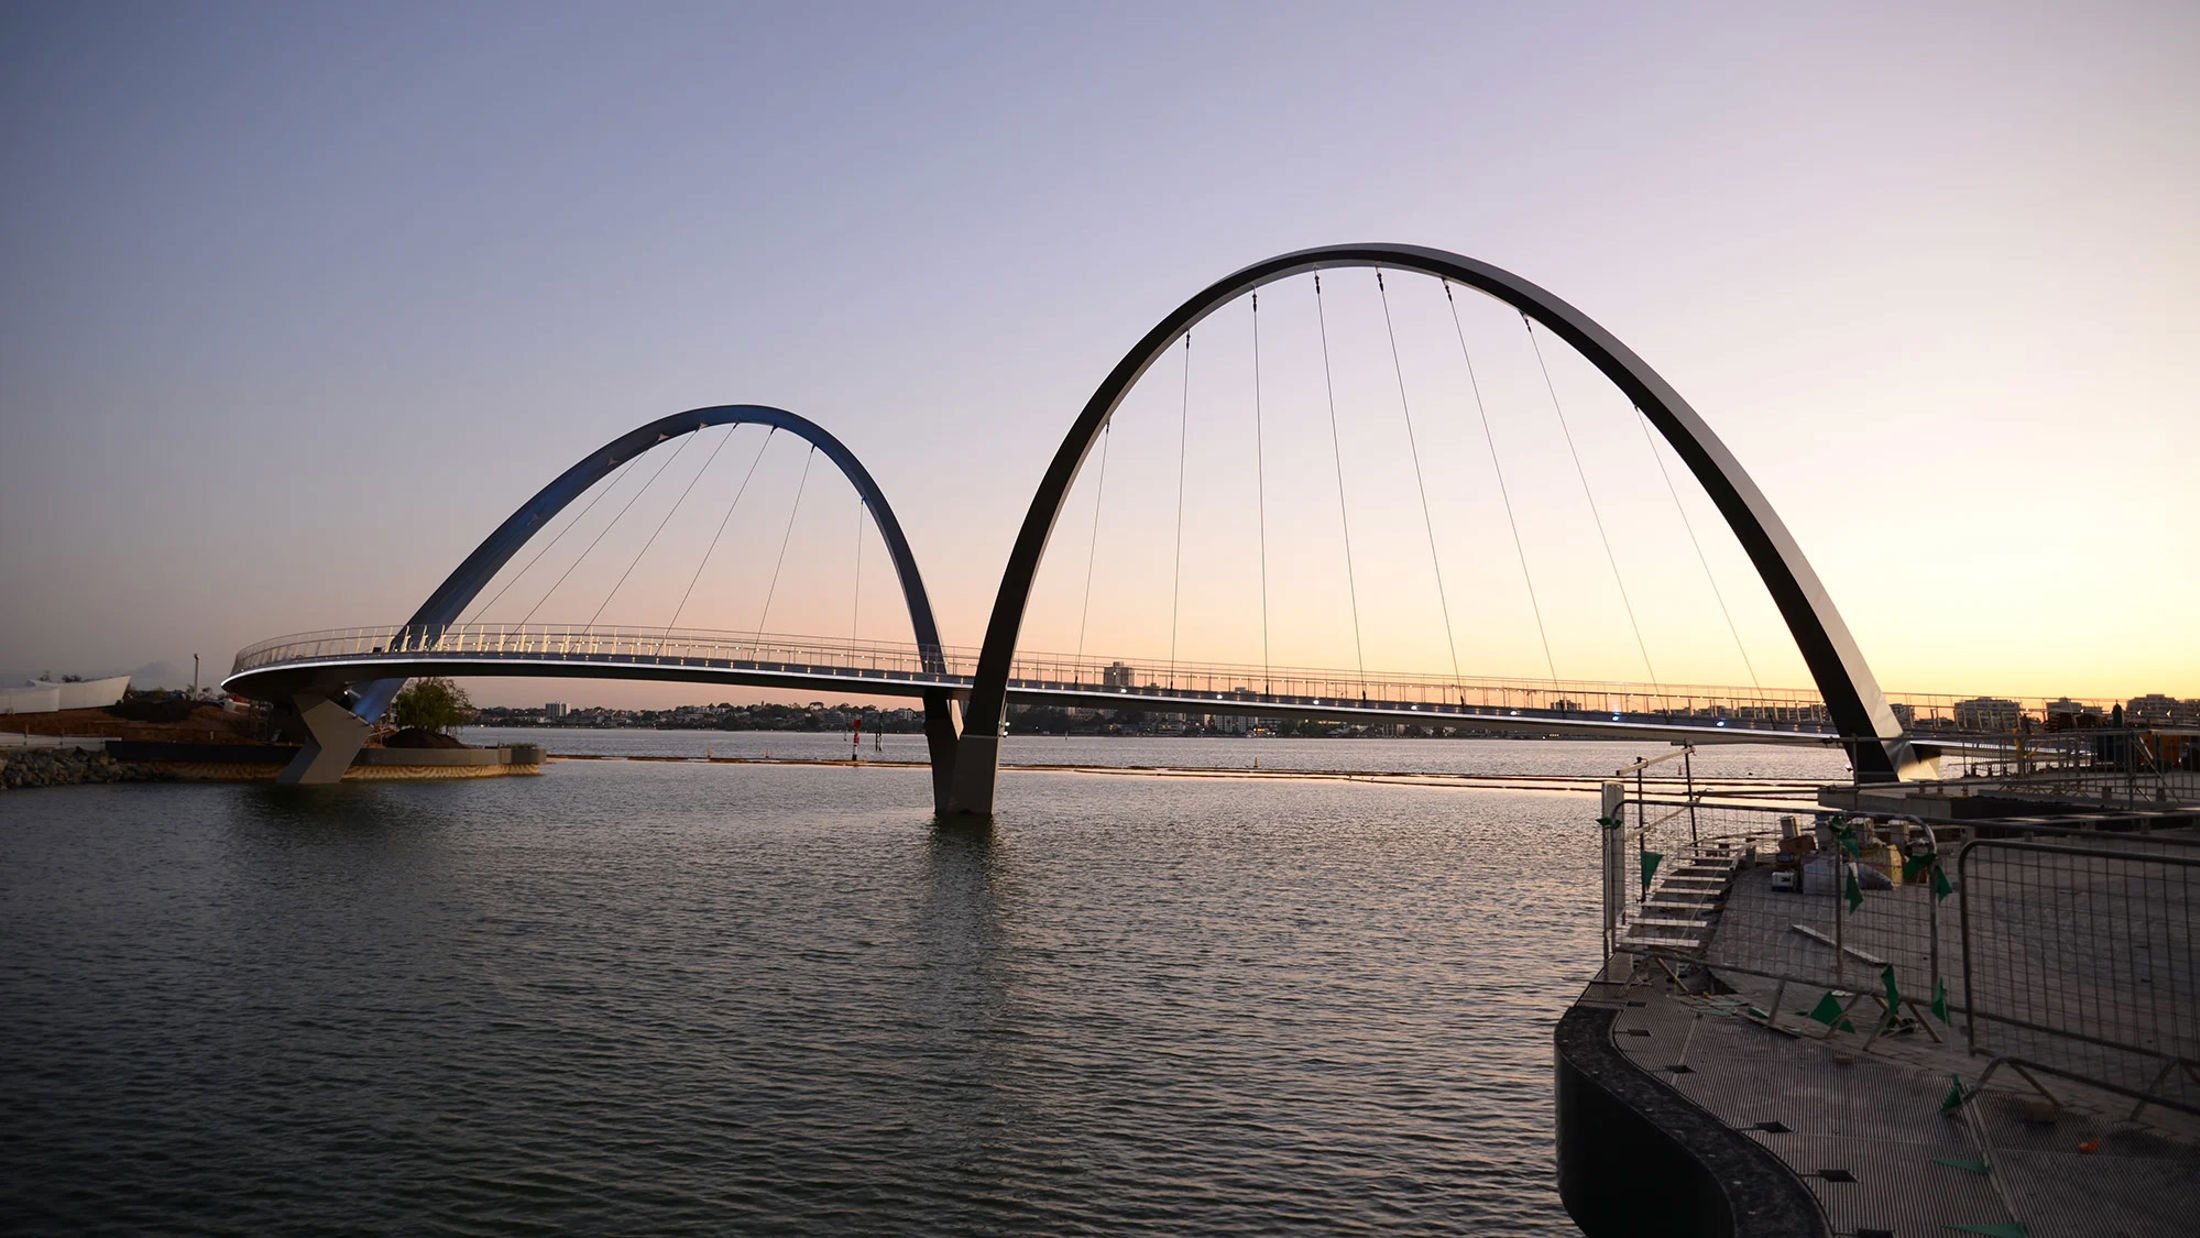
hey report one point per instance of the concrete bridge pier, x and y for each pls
(943, 737)
(334, 737)
(977, 767)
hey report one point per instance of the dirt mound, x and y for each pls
(197, 723)
(415, 737)
(163, 709)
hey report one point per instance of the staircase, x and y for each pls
(1681, 907)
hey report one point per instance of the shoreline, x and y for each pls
(1712, 789)
(119, 761)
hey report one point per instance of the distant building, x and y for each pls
(2064, 714)
(1116, 675)
(555, 709)
(1987, 713)
(2159, 707)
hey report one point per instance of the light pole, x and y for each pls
(194, 676)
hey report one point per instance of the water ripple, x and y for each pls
(682, 998)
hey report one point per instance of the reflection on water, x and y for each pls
(1529, 757)
(726, 997)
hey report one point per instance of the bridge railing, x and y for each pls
(1193, 682)
(1750, 708)
(564, 642)
(1322, 687)
(1793, 710)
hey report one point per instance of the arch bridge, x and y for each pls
(341, 682)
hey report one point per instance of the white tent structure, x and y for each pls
(43, 696)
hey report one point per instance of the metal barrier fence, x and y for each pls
(2078, 961)
(2129, 767)
(2069, 954)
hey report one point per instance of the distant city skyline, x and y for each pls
(302, 301)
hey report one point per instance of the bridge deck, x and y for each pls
(321, 661)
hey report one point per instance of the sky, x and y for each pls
(298, 301)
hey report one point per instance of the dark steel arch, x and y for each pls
(1877, 746)
(450, 599)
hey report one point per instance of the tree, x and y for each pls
(432, 705)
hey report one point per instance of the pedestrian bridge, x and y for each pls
(340, 683)
(324, 661)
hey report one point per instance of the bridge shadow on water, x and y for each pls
(971, 1009)
(961, 925)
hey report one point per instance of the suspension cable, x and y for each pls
(613, 484)
(1092, 546)
(1176, 579)
(1583, 474)
(1520, 548)
(1260, 479)
(1689, 525)
(713, 547)
(1336, 454)
(855, 608)
(1443, 603)
(684, 441)
(669, 514)
(784, 538)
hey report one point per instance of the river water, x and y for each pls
(635, 996)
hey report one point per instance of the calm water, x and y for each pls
(631, 996)
(1412, 756)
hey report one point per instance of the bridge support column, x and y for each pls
(334, 737)
(977, 768)
(943, 736)
(1912, 762)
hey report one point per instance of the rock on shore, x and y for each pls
(68, 767)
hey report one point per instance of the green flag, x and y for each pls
(1853, 891)
(1894, 994)
(1847, 834)
(1828, 1012)
(1956, 1095)
(1940, 1000)
(1917, 866)
(1650, 864)
(1941, 886)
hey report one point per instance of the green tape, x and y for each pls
(1828, 1011)
(1956, 1095)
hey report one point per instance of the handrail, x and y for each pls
(1784, 710)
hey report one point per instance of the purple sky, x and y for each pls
(298, 301)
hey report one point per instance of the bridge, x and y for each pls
(1697, 713)
(341, 682)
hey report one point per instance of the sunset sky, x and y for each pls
(297, 302)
